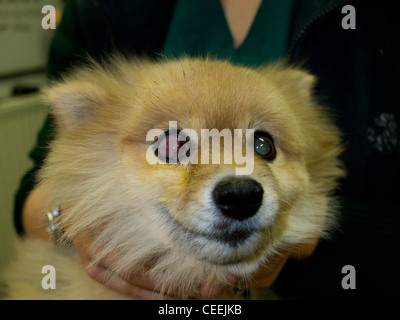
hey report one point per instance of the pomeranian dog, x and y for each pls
(117, 173)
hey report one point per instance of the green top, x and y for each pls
(199, 28)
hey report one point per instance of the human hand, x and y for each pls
(143, 287)
(139, 287)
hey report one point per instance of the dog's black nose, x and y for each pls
(238, 198)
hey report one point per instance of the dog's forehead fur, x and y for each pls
(234, 97)
(136, 96)
(228, 93)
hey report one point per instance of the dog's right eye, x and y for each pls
(264, 145)
(168, 147)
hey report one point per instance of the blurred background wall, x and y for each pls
(24, 48)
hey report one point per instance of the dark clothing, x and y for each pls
(358, 79)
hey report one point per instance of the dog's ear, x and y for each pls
(74, 102)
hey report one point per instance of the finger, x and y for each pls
(120, 285)
(135, 279)
(139, 287)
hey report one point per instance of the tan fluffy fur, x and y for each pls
(97, 172)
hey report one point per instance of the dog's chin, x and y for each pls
(236, 246)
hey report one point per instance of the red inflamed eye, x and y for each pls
(168, 147)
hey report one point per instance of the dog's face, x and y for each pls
(187, 216)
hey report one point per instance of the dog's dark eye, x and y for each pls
(264, 146)
(169, 146)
